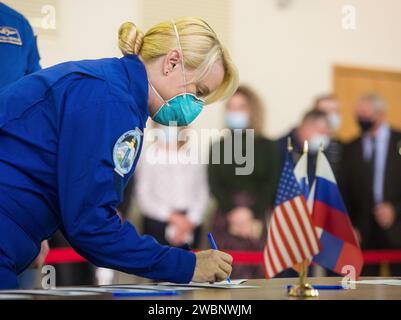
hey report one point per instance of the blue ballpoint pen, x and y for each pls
(127, 294)
(214, 246)
(323, 287)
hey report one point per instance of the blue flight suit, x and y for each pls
(70, 137)
(18, 51)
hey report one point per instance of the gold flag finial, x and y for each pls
(289, 145)
(306, 146)
(321, 148)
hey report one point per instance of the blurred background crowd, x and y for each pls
(179, 203)
(174, 202)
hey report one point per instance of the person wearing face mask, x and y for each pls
(243, 201)
(172, 194)
(70, 138)
(329, 105)
(315, 129)
(370, 180)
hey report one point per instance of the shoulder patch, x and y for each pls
(126, 150)
(10, 35)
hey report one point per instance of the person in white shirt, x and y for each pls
(171, 195)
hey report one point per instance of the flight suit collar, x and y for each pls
(138, 83)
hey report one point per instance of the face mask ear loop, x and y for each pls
(158, 94)
(182, 56)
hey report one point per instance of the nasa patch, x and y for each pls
(125, 151)
(10, 35)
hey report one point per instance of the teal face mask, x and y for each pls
(180, 110)
(183, 108)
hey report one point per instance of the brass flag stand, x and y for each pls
(303, 289)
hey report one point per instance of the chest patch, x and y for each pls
(125, 151)
(10, 35)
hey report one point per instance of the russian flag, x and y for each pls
(339, 246)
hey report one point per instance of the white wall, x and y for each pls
(87, 29)
(286, 54)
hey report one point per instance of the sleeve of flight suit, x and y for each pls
(88, 195)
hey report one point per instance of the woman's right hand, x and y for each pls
(212, 266)
(181, 222)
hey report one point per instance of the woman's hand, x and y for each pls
(385, 215)
(212, 266)
(177, 237)
(240, 221)
(181, 222)
(182, 229)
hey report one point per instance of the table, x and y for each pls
(275, 289)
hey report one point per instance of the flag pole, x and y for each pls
(303, 289)
(289, 145)
(306, 147)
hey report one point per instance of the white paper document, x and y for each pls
(50, 292)
(390, 282)
(168, 286)
(151, 287)
(4, 296)
(105, 289)
(234, 284)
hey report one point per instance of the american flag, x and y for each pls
(292, 237)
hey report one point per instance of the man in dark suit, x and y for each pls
(370, 180)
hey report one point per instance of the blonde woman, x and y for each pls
(70, 138)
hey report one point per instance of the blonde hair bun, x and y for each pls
(130, 38)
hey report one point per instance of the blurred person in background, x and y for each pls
(244, 201)
(172, 195)
(19, 53)
(370, 180)
(315, 129)
(328, 104)
(19, 56)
